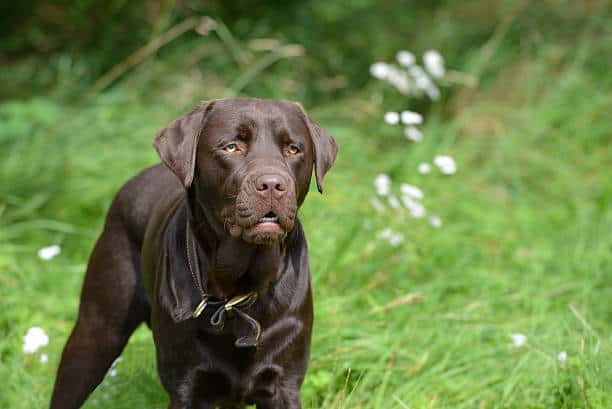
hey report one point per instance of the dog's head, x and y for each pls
(250, 162)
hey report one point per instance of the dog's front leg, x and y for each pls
(286, 398)
(179, 404)
(176, 404)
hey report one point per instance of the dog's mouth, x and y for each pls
(265, 230)
(270, 217)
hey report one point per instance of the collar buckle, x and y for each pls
(201, 307)
(244, 300)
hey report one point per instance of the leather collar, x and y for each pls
(224, 307)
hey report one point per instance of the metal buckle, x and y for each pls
(246, 299)
(200, 308)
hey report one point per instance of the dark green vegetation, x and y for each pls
(526, 245)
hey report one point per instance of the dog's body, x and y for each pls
(209, 252)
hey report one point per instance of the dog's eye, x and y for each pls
(292, 150)
(230, 148)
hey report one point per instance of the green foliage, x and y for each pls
(525, 245)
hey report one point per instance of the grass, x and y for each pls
(525, 245)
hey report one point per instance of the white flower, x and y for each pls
(435, 222)
(44, 358)
(405, 58)
(399, 79)
(416, 72)
(432, 91)
(416, 209)
(412, 133)
(393, 75)
(424, 168)
(382, 183)
(47, 253)
(385, 234)
(394, 238)
(379, 70)
(423, 82)
(402, 84)
(434, 63)
(411, 191)
(420, 77)
(394, 202)
(377, 205)
(518, 340)
(446, 164)
(562, 358)
(34, 339)
(411, 118)
(392, 118)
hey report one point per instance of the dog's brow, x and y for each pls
(278, 123)
(245, 120)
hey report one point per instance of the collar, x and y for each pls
(225, 307)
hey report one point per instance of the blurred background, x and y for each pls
(462, 251)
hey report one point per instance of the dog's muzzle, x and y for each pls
(265, 207)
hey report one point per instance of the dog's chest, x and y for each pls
(244, 375)
(226, 384)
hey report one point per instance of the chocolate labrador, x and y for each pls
(207, 249)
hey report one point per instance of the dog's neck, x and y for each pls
(234, 266)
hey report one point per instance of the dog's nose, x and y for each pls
(274, 185)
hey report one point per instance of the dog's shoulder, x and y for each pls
(138, 199)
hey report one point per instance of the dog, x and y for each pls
(207, 249)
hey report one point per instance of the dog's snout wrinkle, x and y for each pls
(271, 185)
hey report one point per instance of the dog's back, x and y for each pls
(133, 205)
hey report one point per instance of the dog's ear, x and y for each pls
(175, 286)
(324, 146)
(176, 144)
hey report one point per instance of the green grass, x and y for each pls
(525, 246)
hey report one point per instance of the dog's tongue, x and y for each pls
(235, 230)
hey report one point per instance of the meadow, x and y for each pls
(506, 303)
